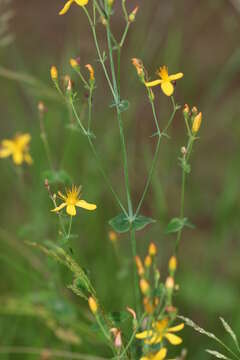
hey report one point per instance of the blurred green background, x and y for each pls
(199, 38)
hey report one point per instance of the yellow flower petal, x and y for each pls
(8, 144)
(160, 355)
(81, 2)
(28, 159)
(155, 339)
(71, 210)
(60, 207)
(61, 195)
(173, 339)
(18, 157)
(176, 328)
(153, 83)
(175, 76)
(66, 7)
(23, 140)
(144, 334)
(5, 152)
(85, 205)
(167, 88)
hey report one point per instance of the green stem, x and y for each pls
(155, 158)
(187, 156)
(135, 274)
(98, 50)
(98, 160)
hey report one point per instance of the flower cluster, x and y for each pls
(158, 327)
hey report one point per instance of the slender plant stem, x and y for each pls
(137, 290)
(101, 59)
(92, 146)
(155, 158)
(184, 173)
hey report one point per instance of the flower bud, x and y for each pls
(194, 110)
(112, 236)
(172, 265)
(54, 73)
(132, 16)
(74, 63)
(197, 123)
(91, 72)
(152, 250)
(93, 306)
(144, 286)
(169, 283)
(139, 264)
(148, 261)
(186, 109)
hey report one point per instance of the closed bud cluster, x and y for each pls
(197, 123)
(93, 306)
(152, 250)
(133, 14)
(54, 73)
(144, 286)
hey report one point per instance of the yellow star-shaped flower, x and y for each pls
(160, 355)
(18, 148)
(165, 80)
(71, 200)
(160, 330)
(70, 2)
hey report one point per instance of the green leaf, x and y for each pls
(174, 225)
(177, 224)
(141, 221)
(56, 177)
(124, 105)
(121, 223)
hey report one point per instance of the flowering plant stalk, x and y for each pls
(153, 316)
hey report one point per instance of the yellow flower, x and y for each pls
(165, 80)
(71, 200)
(160, 330)
(160, 355)
(18, 148)
(69, 3)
